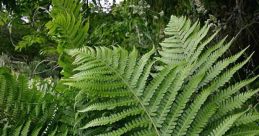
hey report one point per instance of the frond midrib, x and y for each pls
(131, 90)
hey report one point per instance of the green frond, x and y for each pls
(227, 75)
(188, 95)
(25, 129)
(247, 118)
(244, 131)
(28, 41)
(158, 82)
(154, 98)
(68, 29)
(67, 23)
(186, 41)
(191, 112)
(4, 131)
(139, 71)
(107, 78)
(166, 105)
(234, 102)
(202, 119)
(109, 105)
(216, 69)
(187, 118)
(36, 131)
(17, 130)
(3, 90)
(135, 123)
(113, 118)
(181, 102)
(206, 60)
(26, 110)
(202, 46)
(225, 125)
(226, 93)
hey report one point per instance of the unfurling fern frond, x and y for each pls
(189, 95)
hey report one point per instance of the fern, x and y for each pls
(28, 41)
(67, 25)
(25, 110)
(251, 130)
(188, 95)
(68, 28)
(225, 125)
(184, 90)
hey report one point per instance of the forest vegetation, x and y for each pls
(129, 67)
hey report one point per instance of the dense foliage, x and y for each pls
(74, 68)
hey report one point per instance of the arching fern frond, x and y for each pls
(68, 28)
(110, 75)
(186, 97)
